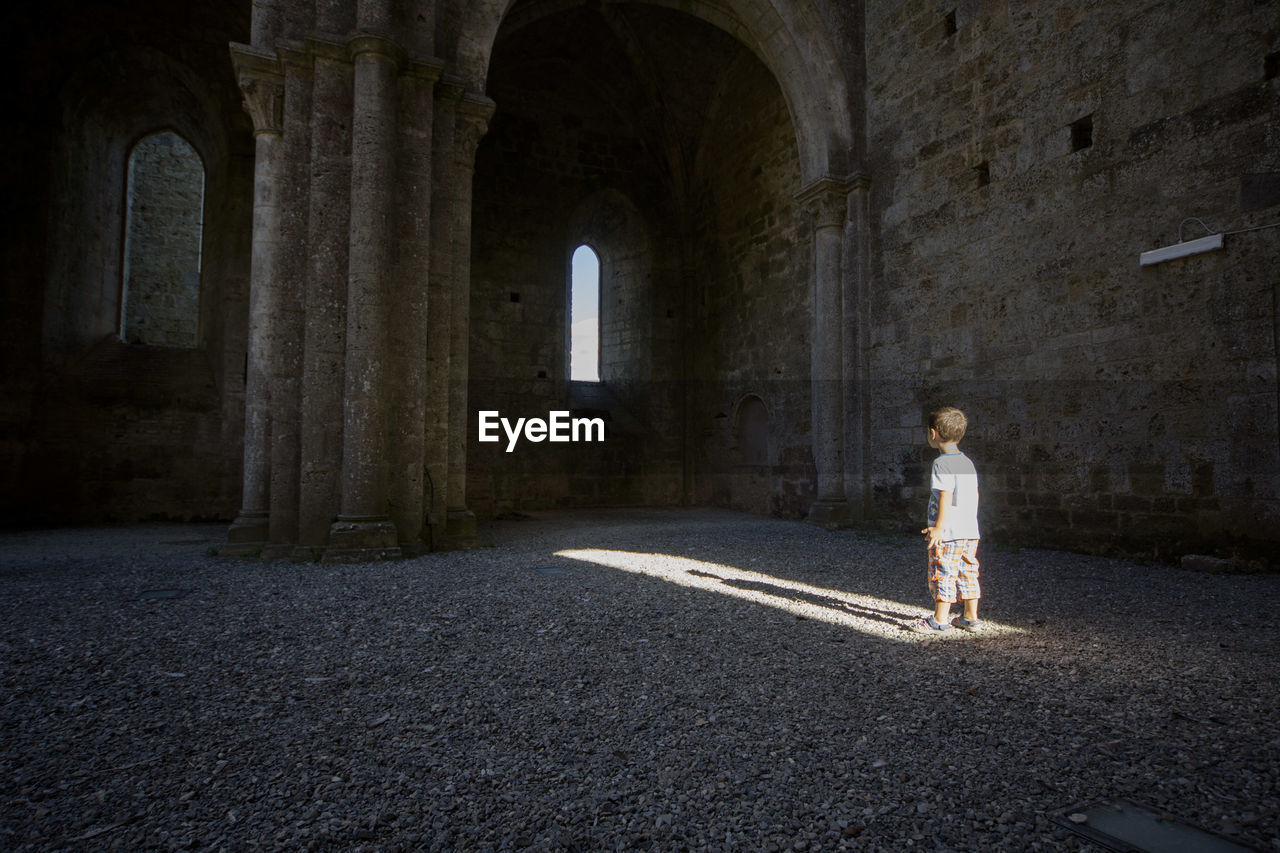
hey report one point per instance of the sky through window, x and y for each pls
(584, 317)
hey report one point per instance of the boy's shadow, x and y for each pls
(889, 617)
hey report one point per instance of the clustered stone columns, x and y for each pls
(285, 307)
(435, 463)
(856, 270)
(263, 87)
(412, 377)
(363, 530)
(472, 116)
(324, 300)
(828, 200)
(352, 395)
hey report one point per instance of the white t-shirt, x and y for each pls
(954, 473)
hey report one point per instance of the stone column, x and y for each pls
(364, 530)
(473, 114)
(407, 328)
(857, 247)
(827, 201)
(262, 83)
(440, 310)
(286, 309)
(325, 333)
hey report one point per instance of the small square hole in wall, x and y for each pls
(1271, 66)
(515, 297)
(983, 173)
(949, 24)
(1082, 133)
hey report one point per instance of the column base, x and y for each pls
(277, 551)
(416, 547)
(307, 553)
(247, 535)
(830, 514)
(459, 531)
(362, 539)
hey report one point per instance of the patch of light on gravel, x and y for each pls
(863, 613)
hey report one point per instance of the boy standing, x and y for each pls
(953, 527)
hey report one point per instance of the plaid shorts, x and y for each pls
(953, 567)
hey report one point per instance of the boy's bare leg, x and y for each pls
(971, 609)
(942, 612)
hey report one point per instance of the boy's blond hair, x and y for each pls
(949, 422)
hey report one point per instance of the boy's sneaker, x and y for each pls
(928, 626)
(966, 624)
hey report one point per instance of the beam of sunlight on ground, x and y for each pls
(860, 612)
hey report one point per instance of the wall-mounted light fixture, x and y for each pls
(1182, 248)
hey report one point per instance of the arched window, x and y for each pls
(164, 223)
(584, 316)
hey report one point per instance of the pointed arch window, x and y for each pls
(164, 225)
(584, 316)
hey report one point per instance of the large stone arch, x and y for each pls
(796, 47)
(790, 38)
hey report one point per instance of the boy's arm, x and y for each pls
(935, 533)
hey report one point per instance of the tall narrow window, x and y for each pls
(584, 317)
(160, 298)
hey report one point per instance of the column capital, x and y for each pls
(827, 198)
(450, 89)
(375, 44)
(261, 78)
(425, 68)
(411, 65)
(473, 114)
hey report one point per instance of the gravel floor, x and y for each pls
(653, 679)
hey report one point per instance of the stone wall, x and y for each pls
(752, 292)
(1022, 157)
(93, 428)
